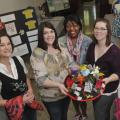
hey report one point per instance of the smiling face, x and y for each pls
(73, 29)
(49, 36)
(5, 47)
(100, 31)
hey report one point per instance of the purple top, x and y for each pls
(109, 63)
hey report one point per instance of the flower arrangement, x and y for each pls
(84, 83)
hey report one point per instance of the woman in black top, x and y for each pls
(106, 55)
(14, 83)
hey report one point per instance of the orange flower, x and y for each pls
(81, 79)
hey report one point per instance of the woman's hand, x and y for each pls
(105, 81)
(54, 84)
(2, 102)
(28, 97)
(62, 88)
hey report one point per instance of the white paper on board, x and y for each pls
(16, 40)
(33, 38)
(32, 32)
(11, 28)
(8, 18)
(21, 50)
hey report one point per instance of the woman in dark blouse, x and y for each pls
(16, 93)
(106, 55)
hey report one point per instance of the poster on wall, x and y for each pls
(11, 28)
(58, 5)
(22, 27)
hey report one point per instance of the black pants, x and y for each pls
(102, 106)
(58, 109)
(80, 107)
(29, 114)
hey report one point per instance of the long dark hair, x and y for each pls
(108, 26)
(41, 43)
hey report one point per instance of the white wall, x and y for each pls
(13, 5)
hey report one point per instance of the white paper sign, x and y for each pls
(33, 38)
(11, 28)
(16, 40)
(33, 32)
(8, 18)
(88, 87)
(21, 50)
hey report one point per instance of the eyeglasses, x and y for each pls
(100, 29)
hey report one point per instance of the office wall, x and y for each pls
(13, 5)
(111, 1)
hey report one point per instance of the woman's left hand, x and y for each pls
(30, 95)
(28, 98)
(106, 80)
(63, 89)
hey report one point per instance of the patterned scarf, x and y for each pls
(75, 50)
(15, 108)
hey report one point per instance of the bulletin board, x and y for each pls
(22, 27)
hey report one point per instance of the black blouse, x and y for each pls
(109, 63)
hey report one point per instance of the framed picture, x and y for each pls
(58, 5)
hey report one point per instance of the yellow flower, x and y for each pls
(101, 74)
(83, 67)
(89, 96)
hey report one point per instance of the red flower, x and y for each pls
(69, 82)
(80, 84)
(98, 84)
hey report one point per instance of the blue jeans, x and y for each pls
(102, 106)
(58, 109)
(29, 114)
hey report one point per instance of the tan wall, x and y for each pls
(111, 1)
(13, 5)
